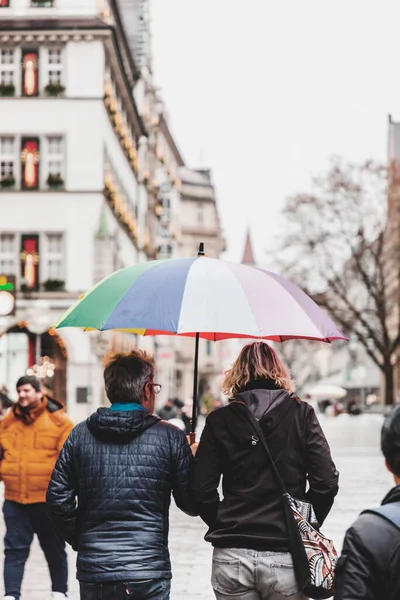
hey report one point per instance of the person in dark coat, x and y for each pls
(369, 566)
(111, 488)
(168, 411)
(5, 401)
(247, 528)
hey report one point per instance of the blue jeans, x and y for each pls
(151, 589)
(22, 522)
(241, 574)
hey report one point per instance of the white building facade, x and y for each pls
(73, 183)
(91, 180)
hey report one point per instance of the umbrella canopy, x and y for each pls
(326, 391)
(203, 297)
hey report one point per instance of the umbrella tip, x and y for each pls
(201, 249)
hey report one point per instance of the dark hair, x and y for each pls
(126, 374)
(29, 380)
(390, 440)
(178, 403)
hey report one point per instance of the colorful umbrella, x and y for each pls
(203, 298)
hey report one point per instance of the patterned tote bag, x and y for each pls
(314, 555)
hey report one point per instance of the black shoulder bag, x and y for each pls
(314, 555)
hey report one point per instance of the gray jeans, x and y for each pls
(243, 574)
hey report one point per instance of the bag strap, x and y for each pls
(390, 512)
(254, 423)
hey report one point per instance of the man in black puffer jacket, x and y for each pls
(370, 563)
(111, 488)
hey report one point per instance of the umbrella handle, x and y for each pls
(192, 438)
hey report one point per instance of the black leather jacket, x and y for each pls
(369, 566)
(250, 514)
(110, 494)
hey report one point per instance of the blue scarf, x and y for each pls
(126, 407)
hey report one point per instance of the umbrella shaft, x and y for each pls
(195, 376)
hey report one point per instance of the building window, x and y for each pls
(30, 157)
(82, 395)
(19, 255)
(55, 66)
(54, 160)
(30, 73)
(29, 257)
(200, 214)
(54, 256)
(7, 72)
(8, 254)
(7, 162)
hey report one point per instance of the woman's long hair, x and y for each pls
(256, 361)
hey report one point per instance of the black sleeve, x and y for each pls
(354, 572)
(62, 492)
(321, 472)
(206, 475)
(182, 464)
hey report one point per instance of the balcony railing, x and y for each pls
(42, 3)
(50, 285)
(7, 89)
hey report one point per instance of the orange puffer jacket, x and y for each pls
(28, 452)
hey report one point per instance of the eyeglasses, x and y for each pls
(157, 387)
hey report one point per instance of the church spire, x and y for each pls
(248, 254)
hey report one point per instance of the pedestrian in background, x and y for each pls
(111, 488)
(32, 434)
(5, 401)
(251, 558)
(369, 566)
(168, 411)
(183, 414)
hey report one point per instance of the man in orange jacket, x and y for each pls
(31, 437)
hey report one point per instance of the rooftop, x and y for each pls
(195, 176)
(248, 254)
(12, 24)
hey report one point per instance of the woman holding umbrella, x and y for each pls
(247, 527)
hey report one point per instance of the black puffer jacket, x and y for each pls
(369, 566)
(251, 514)
(121, 467)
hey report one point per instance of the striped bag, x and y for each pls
(320, 551)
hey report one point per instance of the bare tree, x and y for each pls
(300, 357)
(340, 247)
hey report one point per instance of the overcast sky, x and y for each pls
(264, 92)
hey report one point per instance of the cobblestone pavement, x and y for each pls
(364, 481)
